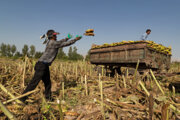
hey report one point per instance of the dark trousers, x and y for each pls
(41, 73)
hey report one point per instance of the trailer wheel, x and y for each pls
(110, 71)
(113, 70)
(131, 72)
(118, 70)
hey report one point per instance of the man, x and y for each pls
(42, 66)
(145, 35)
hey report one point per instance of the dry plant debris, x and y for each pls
(81, 93)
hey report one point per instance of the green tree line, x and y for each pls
(7, 50)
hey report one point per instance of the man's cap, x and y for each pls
(148, 30)
(48, 35)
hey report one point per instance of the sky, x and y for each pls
(24, 21)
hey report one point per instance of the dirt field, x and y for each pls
(82, 92)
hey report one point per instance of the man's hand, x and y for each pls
(78, 37)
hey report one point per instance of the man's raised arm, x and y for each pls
(64, 44)
(65, 39)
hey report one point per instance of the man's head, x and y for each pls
(52, 34)
(148, 31)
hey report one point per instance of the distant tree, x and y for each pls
(32, 50)
(38, 54)
(70, 53)
(13, 50)
(25, 50)
(18, 54)
(88, 56)
(61, 54)
(8, 51)
(79, 57)
(74, 53)
(3, 49)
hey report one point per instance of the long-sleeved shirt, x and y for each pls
(144, 36)
(52, 48)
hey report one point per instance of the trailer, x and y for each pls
(127, 55)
